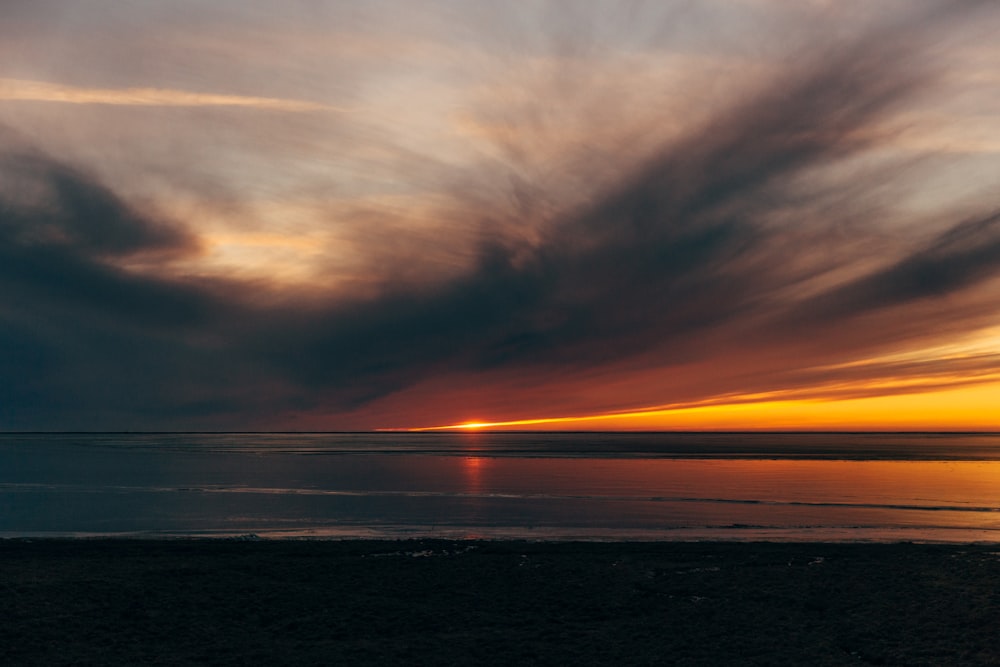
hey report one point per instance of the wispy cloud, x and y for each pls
(744, 248)
(41, 91)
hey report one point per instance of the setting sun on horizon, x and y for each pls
(555, 332)
(475, 215)
(963, 409)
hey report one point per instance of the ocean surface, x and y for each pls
(546, 486)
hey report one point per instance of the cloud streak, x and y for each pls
(682, 244)
(757, 251)
(41, 91)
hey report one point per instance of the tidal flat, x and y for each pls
(471, 602)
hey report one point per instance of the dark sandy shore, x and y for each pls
(220, 602)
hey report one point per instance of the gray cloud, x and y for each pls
(962, 256)
(683, 245)
(61, 234)
(720, 244)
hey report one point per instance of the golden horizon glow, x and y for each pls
(472, 216)
(965, 408)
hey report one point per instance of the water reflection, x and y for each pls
(68, 488)
(472, 469)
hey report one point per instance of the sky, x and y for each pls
(572, 214)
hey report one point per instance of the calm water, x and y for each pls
(934, 487)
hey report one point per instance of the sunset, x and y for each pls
(540, 332)
(328, 216)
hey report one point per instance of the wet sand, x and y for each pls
(231, 602)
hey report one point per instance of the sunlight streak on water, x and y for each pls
(611, 486)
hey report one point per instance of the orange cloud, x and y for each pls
(42, 91)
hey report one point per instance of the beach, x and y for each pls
(454, 602)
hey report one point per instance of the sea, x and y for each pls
(852, 487)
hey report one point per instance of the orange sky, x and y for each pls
(713, 215)
(964, 409)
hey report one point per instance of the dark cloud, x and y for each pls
(83, 336)
(62, 235)
(717, 247)
(81, 214)
(964, 255)
(683, 245)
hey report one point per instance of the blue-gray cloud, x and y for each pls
(693, 252)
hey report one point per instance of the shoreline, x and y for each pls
(944, 536)
(220, 601)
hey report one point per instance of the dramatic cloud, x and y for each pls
(962, 256)
(62, 235)
(580, 251)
